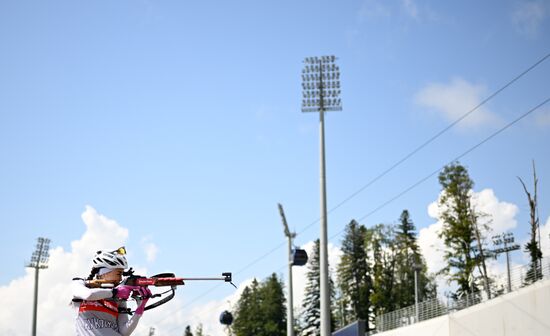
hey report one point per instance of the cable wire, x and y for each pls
(398, 163)
(455, 159)
(397, 196)
(430, 140)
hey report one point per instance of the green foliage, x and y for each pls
(408, 258)
(534, 273)
(382, 243)
(261, 309)
(199, 331)
(395, 255)
(272, 307)
(354, 274)
(188, 331)
(459, 225)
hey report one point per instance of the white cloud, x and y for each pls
(528, 17)
(503, 219)
(151, 249)
(455, 99)
(54, 313)
(502, 213)
(56, 316)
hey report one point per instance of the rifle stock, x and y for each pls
(100, 283)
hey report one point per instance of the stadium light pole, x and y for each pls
(417, 268)
(321, 93)
(39, 260)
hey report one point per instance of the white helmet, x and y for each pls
(111, 260)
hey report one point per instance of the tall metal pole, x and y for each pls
(35, 306)
(290, 309)
(290, 312)
(417, 313)
(325, 285)
(39, 261)
(321, 92)
(505, 239)
(508, 271)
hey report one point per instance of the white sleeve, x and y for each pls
(127, 325)
(80, 291)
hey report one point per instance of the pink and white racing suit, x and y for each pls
(98, 313)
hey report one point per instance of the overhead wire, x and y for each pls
(430, 140)
(398, 163)
(502, 129)
(417, 183)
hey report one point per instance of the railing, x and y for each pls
(520, 276)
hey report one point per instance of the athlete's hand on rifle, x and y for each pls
(143, 294)
(123, 292)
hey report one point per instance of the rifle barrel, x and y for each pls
(184, 279)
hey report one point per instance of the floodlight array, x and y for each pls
(507, 239)
(41, 255)
(321, 85)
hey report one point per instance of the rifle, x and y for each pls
(158, 280)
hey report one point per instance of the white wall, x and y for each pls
(525, 312)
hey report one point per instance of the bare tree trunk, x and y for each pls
(533, 246)
(481, 255)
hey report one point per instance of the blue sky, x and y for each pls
(181, 121)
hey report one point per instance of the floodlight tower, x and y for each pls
(39, 260)
(321, 93)
(506, 239)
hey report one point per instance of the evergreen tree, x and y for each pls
(460, 230)
(354, 276)
(247, 320)
(188, 331)
(312, 298)
(199, 331)
(261, 309)
(396, 255)
(311, 316)
(409, 259)
(382, 245)
(272, 307)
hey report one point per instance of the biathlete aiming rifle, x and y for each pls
(159, 280)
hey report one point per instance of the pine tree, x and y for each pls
(354, 273)
(409, 258)
(199, 331)
(188, 331)
(261, 309)
(247, 320)
(382, 245)
(272, 307)
(312, 298)
(311, 317)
